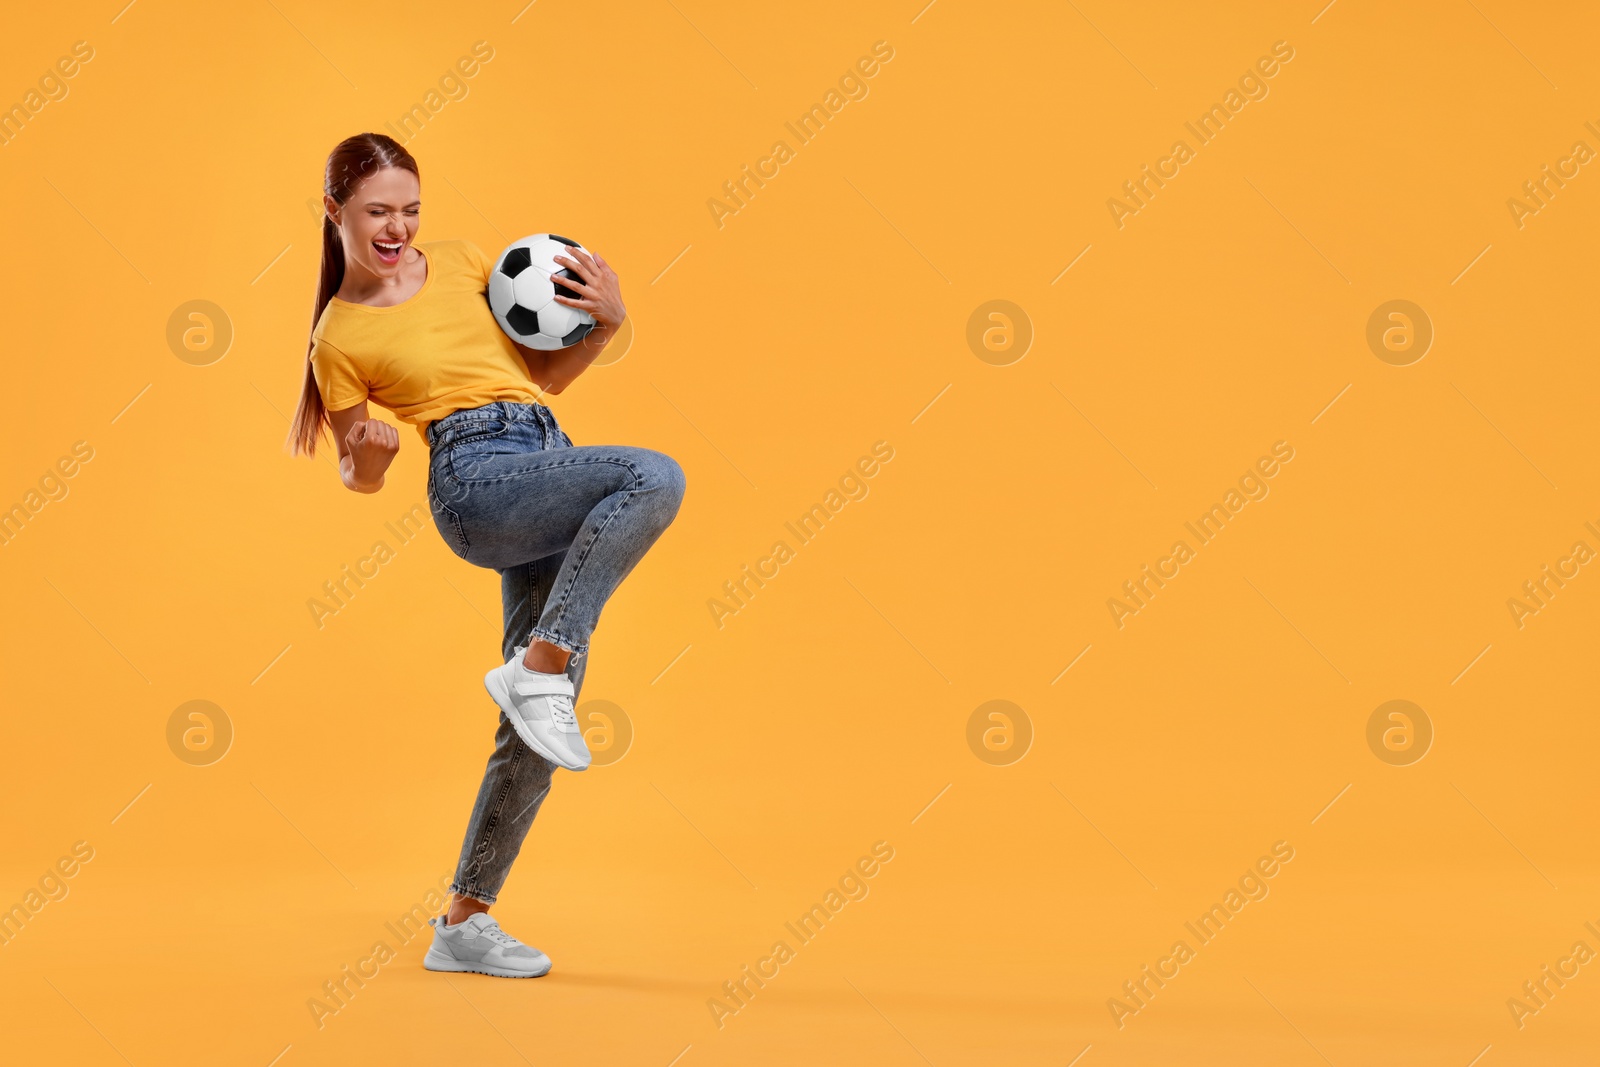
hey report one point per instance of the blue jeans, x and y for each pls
(563, 525)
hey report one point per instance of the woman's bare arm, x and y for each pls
(366, 447)
(600, 294)
(554, 371)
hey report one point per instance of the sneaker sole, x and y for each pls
(502, 696)
(432, 962)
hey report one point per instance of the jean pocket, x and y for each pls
(476, 430)
(466, 455)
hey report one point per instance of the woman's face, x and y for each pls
(380, 220)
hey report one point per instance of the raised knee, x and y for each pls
(668, 477)
(676, 482)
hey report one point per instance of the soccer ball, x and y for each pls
(522, 290)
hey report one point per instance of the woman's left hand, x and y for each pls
(598, 293)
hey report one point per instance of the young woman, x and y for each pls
(407, 325)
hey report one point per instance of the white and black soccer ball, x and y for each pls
(522, 290)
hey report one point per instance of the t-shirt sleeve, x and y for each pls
(338, 378)
(480, 261)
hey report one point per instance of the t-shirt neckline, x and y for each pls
(427, 280)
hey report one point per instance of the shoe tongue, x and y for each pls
(480, 919)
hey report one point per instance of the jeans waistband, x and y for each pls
(505, 410)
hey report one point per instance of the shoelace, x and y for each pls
(494, 933)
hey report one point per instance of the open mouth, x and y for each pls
(389, 251)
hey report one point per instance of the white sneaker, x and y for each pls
(540, 709)
(477, 944)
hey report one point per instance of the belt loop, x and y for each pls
(540, 412)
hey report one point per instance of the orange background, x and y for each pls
(832, 711)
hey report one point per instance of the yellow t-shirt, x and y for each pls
(437, 352)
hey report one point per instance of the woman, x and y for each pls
(407, 326)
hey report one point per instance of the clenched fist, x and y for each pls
(372, 444)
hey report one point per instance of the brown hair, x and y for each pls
(350, 163)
